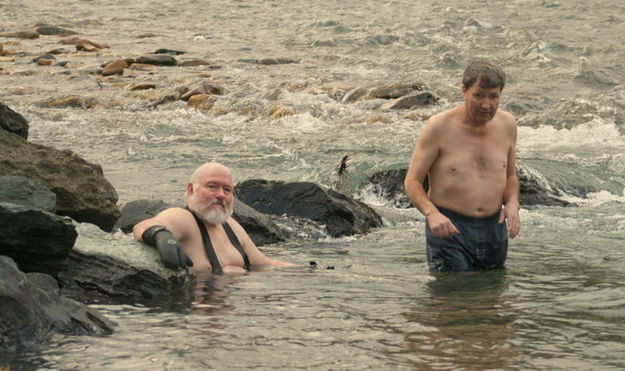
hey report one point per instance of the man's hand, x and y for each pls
(167, 246)
(440, 225)
(511, 215)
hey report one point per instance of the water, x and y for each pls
(558, 305)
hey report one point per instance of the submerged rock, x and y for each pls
(341, 214)
(32, 310)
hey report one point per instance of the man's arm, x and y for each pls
(511, 204)
(253, 253)
(425, 153)
(164, 231)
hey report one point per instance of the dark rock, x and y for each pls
(168, 51)
(23, 191)
(45, 56)
(37, 240)
(114, 268)
(203, 88)
(32, 310)
(411, 101)
(158, 60)
(13, 121)
(385, 91)
(82, 191)
(260, 227)
(341, 214)
(135, 211)
(53, 30)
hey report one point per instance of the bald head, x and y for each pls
(209, 168)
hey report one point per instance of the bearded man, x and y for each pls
(203, 235)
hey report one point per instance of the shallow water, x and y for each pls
(558, 305)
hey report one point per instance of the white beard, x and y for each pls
(214, 217)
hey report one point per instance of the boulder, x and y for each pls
(341, 214)
(82, 191)
(13, 121)
(37, 240)
(24, 191)
(32, 310)
(114, 268)
(260, 227)
(158, 60)
(414, 100)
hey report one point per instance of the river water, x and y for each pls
(560, 304)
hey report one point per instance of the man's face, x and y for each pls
(481, 103)
(211, 198)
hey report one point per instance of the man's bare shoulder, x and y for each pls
(506, 117)
(439, 123)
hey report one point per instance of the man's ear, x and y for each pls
(189, 189)
(464, 88)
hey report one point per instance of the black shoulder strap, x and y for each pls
(208, 246)
(235, 242)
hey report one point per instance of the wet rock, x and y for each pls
(82, 191)
(74, 101)
(24, 191)
(341, 214)
(194, 63)
(89, 46)
(158, 60)
(115, 67)
(384, 91)
(269, 61)
(37, 240)
(21, 34)
(144, 86)
(13, 122)
(278, 111)
(135, 211)
(168, 51)
(208, 88)
(200, 101)
(32, 310)
(114, 268)
(260, 227)
(53, 30)
(411, 101)
(74, 40)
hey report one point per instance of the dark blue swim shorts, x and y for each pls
(481, 244)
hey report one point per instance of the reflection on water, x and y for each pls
(468, 320)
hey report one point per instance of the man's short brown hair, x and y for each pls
(489, 75)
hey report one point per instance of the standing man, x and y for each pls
(468, 154)
(203, 234)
